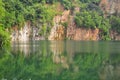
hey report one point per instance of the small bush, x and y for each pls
(115, 23)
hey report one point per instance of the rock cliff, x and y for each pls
(59, 31)
(72, 32)
(22, 34)
(110, 6)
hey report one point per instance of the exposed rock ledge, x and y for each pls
(86, 34)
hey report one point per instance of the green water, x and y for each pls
(61, 60)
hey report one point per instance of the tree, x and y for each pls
(2, 12)
(67, 4)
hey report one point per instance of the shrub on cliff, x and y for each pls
(67, 4)
(115, 23)
(91, 19)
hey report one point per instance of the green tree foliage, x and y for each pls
(51, 1)
(39, 66)
(94, 7)
(23, 10)
(115, 23)
(90, 19)
(67, 3)
(14, 13)
(2, 11)
(4, 38)
(17, 12)
(89, 1)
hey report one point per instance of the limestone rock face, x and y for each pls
(110, 6)
(58, 30)
(86, 34)
(22, 34)
(114, 35)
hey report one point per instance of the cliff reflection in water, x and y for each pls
(58, 50)
(66, 60)
(70, 47)
(21, 47)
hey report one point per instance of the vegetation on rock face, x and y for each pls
(115, 23)
(67, 4)
(91, 16)
(17, 12)
(41, 13)
(4, 37)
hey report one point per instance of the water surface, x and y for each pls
(61, 60)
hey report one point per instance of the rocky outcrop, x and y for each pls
(36, 35)
(58, 30)
(110, 6)
(86, 34)
(75, 33)
(114, 35)
(22, 34)
(83, 34)
(114, 6)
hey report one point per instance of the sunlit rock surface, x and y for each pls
(110, 6)
(86, 34)
(58, 30)
(114, 35)
(21, 34)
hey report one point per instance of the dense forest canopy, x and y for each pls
(17, 12)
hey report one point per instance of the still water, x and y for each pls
(61, 60)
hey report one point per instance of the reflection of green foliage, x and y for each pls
(115, 59)
(35, 67)
(90, 61)
(87, 67)
(41, 67)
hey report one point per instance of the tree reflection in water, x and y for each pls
(58, 60)
(57, 48)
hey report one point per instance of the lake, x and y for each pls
(61, 60)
